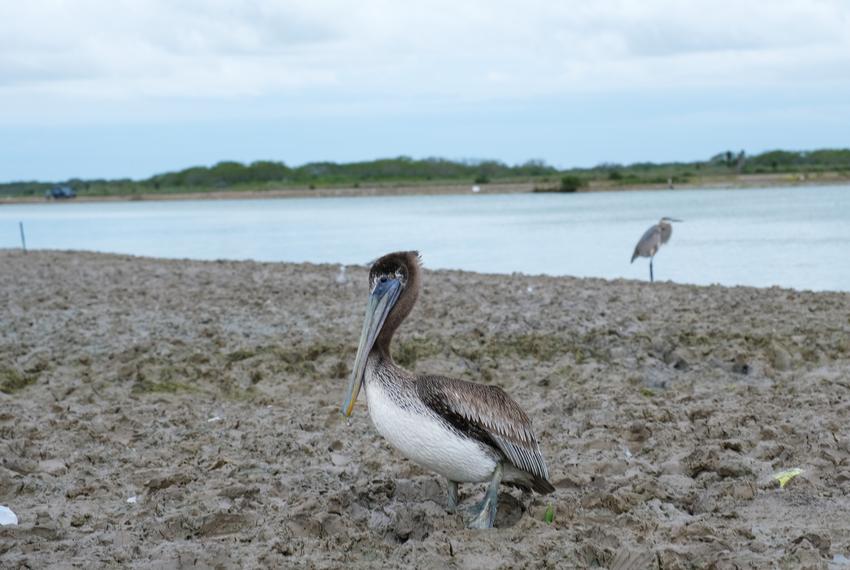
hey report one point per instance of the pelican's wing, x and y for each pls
(666, 232)
(488, 414)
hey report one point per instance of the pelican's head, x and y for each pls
(665, 219)
(393, 288)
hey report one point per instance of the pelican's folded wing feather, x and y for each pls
(488, 414)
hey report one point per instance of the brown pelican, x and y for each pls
(466, 432)
(652, 240)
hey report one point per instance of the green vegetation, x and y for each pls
(571, 183)
(568, 183)
(549, 517)
(269, 175)
(12, 381)
(266, 175)
(164, 387)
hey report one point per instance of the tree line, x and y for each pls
(406, 170)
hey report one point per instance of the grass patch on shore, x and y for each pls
(237, 371)
(809, 345)
(540, 347)
(407, 352)
(296, 359)
(162, 387)
(589, 346)
(162, 380)
(536, 346)
(12, 381)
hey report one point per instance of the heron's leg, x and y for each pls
(452, 502)
(484, 515)
(651, 277)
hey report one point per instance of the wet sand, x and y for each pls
(209, 391)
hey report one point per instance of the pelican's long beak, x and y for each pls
(381, 301)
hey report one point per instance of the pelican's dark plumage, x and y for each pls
(464, 431)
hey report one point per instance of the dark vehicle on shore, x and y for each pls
(60, 193)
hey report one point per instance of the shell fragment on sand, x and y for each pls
(7, 517)
(784, 477)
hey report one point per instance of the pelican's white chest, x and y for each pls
(423, 438)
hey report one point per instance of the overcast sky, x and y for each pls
(132, 88)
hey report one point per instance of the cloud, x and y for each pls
(90, 56)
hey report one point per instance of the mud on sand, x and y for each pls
(209, 391)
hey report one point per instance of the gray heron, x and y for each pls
(652, 240)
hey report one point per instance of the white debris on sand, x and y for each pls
(7, 517)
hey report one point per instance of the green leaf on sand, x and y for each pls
(550, 515)
(784, 477)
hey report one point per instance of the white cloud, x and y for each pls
(81, 57)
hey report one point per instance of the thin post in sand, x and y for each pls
(23, 237)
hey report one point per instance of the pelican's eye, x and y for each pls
(379, 279)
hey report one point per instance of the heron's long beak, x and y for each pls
(381, 301)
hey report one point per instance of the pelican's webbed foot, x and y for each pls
(484, 514)
(453, 496)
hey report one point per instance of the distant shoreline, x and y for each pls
(708, 182)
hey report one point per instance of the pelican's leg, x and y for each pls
(452, 502)
(484, 515)
(651, 278)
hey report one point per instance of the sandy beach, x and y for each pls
(185, 414)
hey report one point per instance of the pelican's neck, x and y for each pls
(382, 369)
(379, 359)
(385, 338)
(398, 313)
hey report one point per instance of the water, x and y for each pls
(792, 237)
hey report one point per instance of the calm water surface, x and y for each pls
(793, 237)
